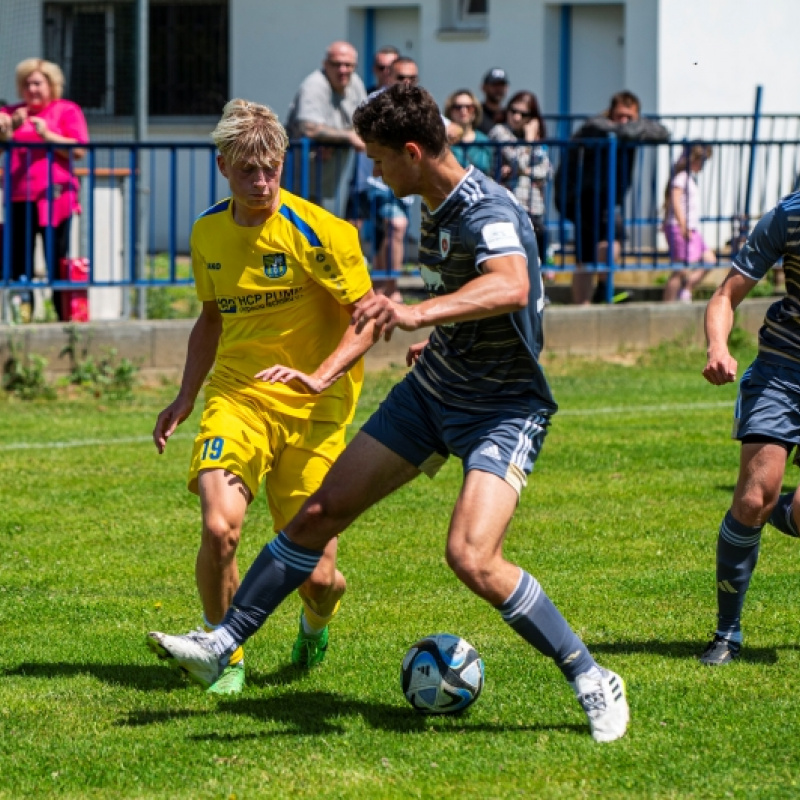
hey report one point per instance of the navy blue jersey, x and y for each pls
(487, 362)
(776, 236)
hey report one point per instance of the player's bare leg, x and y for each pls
(223, 501)
(474, 552)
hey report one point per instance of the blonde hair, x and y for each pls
(52, 72)
(450, 102)
(250, 132)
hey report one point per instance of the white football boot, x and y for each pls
(603, 700)
(192, 653)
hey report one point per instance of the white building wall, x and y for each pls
(715, 52)
(20, 38)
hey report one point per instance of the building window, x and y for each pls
(94, 44)
(464, 15)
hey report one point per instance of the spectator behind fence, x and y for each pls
(495, 88)
(43, 116)
(323, 110)
(392, 214)
(358, 205)
(586, 205)
(525, 169)
(682, 224)
(382, 66)
(464, 109)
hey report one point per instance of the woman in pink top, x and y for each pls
(39, 175)
(682, 224)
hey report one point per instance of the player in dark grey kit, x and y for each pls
(767, 414)
(476, 390)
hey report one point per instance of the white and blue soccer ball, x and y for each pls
(442, 674)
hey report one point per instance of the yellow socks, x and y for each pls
(313, 621)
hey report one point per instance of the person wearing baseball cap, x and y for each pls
(495, 87)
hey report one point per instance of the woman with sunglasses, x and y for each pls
(525, 169)
(463, 108)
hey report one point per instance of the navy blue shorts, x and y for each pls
(425, 431)
(768, 405)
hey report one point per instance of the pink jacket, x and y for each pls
(30, 171)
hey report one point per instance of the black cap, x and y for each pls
(495, 75)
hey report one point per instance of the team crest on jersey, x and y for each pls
(444, 243)
(275, 265)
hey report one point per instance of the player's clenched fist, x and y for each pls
(720, 369)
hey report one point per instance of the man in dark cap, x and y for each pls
(495, 87)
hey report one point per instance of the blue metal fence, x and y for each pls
(140, 199)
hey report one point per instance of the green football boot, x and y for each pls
(230, 682)
(309, 648)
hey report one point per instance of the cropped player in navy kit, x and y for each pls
(476, 391)
(767, 415)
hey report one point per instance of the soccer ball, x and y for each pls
(442, 674)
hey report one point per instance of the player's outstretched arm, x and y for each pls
(501, 289)
(720, 365)
(353, 344)
(200, 355)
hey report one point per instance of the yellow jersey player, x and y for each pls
(278, 278)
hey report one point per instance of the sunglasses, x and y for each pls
(383, 67)
(463, 106)
(521, 113)
(407, 78)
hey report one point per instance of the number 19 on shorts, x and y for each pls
(212, 449)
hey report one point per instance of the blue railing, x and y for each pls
(140, 199)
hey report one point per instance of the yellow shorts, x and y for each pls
(254, 443)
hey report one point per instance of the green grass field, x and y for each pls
(618, 523)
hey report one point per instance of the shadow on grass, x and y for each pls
(315, 713)
(687, 651)
(144, 678)
(158, 677)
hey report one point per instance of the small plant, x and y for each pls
(24, 376)
(105, 376)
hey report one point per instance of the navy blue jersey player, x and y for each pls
(476, 391)
(767, 414)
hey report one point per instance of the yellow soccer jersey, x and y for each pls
(280, 288)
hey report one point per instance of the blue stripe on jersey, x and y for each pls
(301, 225)
(217, 208)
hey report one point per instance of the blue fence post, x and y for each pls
(752, 165)
(173, 208)
(6, 271)
(134, 250)
(612, 214)
(565, 71)
(305, 157)
(90, 215)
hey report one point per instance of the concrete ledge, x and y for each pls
(159, 346)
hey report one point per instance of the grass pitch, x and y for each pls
(618, 523)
